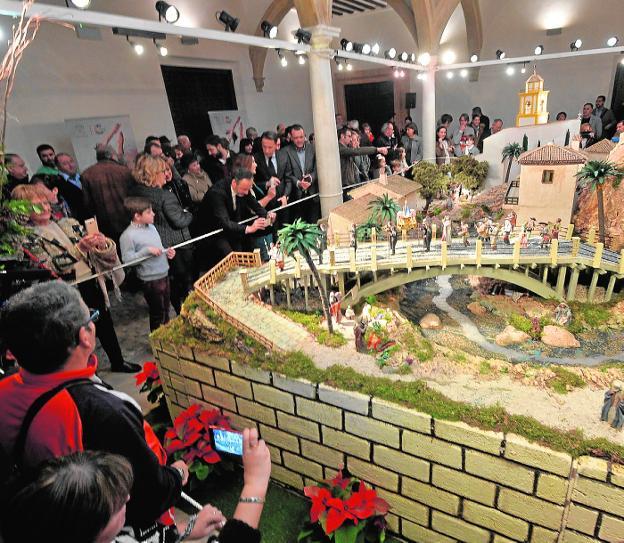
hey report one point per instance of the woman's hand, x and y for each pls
(90, 241)
(209, 519)
(256, 464)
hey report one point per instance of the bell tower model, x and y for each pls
(533, 102)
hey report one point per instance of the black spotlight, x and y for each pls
(230, 23)
(500, 54)
(346, 44)
(269, 30)
(303, 36)
(391, 53)
(362, 48)
(539, 49)
(167, 12)
(576, 44)
(80, 4)
(404, 56)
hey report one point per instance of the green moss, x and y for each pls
(485, 367)
(521, 323)
(312, 323)
(611, 364)
(412, 394)
(565, 379)
(415, 344)
(460, 358)
(591, 314)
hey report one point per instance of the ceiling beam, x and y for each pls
(350, 4)
(346, 7)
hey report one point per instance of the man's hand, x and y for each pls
(180, 464)
(273, 181)
(382, 150)
(170, 253)
(305, 185)
(258, 224)
(283, 200)
(271, 216)
(154, 251)
(271, 192)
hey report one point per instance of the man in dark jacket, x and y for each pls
(302, 175)
(17, 173)
(274, 169)
(70, 185)
(224, 206)
(105, 185)
(50, 332)
(348, 169)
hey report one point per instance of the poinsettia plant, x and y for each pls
(344, 510)
(149, 381)
(189, 439)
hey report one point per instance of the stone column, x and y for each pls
(429, 112)
(323, 113)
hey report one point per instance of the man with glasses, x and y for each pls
(51, 334)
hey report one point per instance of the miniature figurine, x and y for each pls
(524, 240)
(494, 230)
(465, 233)
(447, 230)
(545, 232)
(334, 301)
(613, 406)
(322, 243)
(349, 313)
(359, 329)
(530, 226)
(393, 237)
(365, 317)
(563, 314)
(427, 233)
(556, 229)
(353, 237)
(275, 253)
(507, 229)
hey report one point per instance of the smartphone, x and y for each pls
(307, 177)
(91, 226)
(227, 441)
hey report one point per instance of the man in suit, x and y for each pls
(224, 206)
(302, 175)
(348, 170)
(70, 186)
(273, 169)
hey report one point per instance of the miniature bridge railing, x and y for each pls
(528, 267)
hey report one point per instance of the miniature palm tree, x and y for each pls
(384, 209)
(365, 230)
(597, 173)
(303, 237)
(511, 151)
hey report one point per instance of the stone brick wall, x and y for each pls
(445, 481)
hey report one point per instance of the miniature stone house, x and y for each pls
(547, 184)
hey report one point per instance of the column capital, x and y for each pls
(322, 36)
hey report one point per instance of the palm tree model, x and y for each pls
(384, 209)
(597, 173)
(303, 237)
(511, 151)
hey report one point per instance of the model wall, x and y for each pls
(445, 481)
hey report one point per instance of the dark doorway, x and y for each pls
(617, 102)
(371, 103)
(192, 93)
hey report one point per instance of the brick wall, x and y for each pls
(445, 481)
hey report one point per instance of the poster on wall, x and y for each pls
(229, 123)
(88, 132)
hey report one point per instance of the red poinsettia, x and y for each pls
(373, 342)
(344, 502)
(189, 439)
(149, 381)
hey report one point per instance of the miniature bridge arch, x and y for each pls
(398, 279)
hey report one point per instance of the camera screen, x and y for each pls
(228, 442)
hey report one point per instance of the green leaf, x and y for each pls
(347, 533)
(202, 471)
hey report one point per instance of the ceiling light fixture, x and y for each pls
(539, 50)
(230, 22)
(80, 4)
(424, 59)
(167, 12)
(500, 54)
(450, 75)
(162, 49)
(362, 48)
(576, 44)
(349, 66)
(474, 57)
(346, 45)
(391, 53)
(303, 36)
(523, 69)
(463, 73)
(269, 30)
(138, 47)
(403, 56)
(510, 70)
(375, 49)
(448, 57)
(612, 41)
(301, 57)
(282, 57)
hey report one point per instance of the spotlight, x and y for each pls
(138, 47)
(346, 45)
(500, 54)
(395, 72)
(539, 50)
(303, 36)
(269, 30)
(80, 4)
(349, 66)
(375, 49)
(448, 57)
(523, 69)
(230, 23)
(576, 44)
(510, 70)
(167, 12)
(421, 76)
(403, 56)
(162, 49)
(282, 57)
(301, 58)
(413, 57)
(450, 75)
(463, 73)
(612, 41)
(424, 59)
(340, 66)
(391, 53)
(362, 48)
(474, 57)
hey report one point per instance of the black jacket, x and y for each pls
(74, 198)
(263, 174)
(295, 173)
(214, 168)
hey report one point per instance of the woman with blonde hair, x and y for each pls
(171, 221)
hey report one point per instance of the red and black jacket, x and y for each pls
(90, 417)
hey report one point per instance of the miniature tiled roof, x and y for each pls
(601, 147)
(552, 154)
(356, 210)
(396, 186)
(535, 78)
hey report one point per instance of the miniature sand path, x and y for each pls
(473, 334)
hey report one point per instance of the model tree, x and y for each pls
(384, 209)
(432, 179)
(511, 152)
(303, 237)
(468, 171)
(596, 174)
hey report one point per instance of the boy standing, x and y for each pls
(139, 240)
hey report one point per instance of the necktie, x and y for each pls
(271, 165)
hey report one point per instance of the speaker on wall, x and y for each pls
(410, 100)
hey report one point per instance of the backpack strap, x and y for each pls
(20, 442)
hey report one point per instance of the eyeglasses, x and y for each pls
(94, 315)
